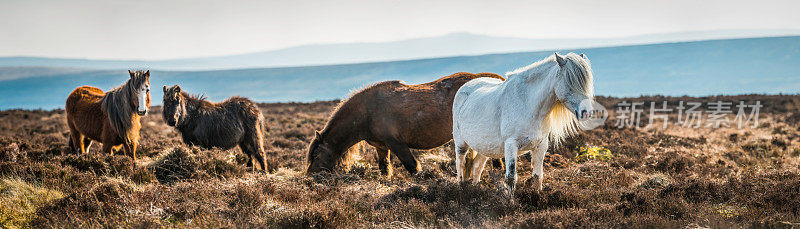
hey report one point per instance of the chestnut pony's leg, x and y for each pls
(384, 161)
(86, 144)
(404, 154)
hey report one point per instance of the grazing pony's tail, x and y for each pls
(262, 132)
(262, 125)
(262, 141)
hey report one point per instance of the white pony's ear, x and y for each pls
(560, 59)
(583, 56)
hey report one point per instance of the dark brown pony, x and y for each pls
(112, 118)
(233, 122)
(390, 116)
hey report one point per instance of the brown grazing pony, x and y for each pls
(112, 118)
(390, 116)
(233, 122)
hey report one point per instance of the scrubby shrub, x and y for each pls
(10, 152)
(111, 191)
(212, 166)
(175, 165)
(143, 176)
(101, 164)
(656, 179)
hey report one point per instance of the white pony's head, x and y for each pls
(572, 88)
(572, 83)
(576, 85)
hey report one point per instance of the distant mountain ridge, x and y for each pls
(456, 44)
(733, 66)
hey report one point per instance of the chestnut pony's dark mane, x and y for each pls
(120, 104)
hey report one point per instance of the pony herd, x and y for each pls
(486, 115)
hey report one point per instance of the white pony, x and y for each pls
(535, 106)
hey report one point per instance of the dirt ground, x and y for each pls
(671, 177)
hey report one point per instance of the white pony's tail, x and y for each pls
(458, 102)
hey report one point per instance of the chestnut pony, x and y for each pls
(112, 118)
(390, 116)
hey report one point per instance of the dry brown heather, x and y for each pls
(666, 178)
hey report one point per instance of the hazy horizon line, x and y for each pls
(777, 33)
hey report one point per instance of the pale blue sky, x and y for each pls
(158, 29)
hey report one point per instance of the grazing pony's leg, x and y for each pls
(130, 149)
(86, 144)
(254, 148)
(537, 161)
(461, 155)
(116, 149)
(511, 150)
(77, 143)
(259, 145)
(70, 145)
(248, 150)
(107, 148)
(253, 143)
(384, 161)
(107, 140)
(249, 158)
(497, 163)
(76, 140)
(259, 155)
(477, 167)
(404, 154)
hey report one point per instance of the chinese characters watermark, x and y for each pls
(689, 114)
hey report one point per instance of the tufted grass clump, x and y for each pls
(19, 201)
(175, 165)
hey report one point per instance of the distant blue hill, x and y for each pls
(735, 66)
(455, 44)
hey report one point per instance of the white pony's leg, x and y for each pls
(477, 167)
(537, 161)
(511, 150)
(461, 149)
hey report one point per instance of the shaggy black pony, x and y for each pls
(236, 121)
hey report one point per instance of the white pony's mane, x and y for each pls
(561, 122)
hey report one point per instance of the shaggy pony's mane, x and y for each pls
(118, 103)
(195, 97)
(196, 100)
(560, 122)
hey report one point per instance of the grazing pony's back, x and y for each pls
(233, 122)
(112, 118)
(390, 116)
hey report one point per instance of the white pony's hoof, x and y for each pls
(504, 191)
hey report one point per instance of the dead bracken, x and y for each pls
(622, 178)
